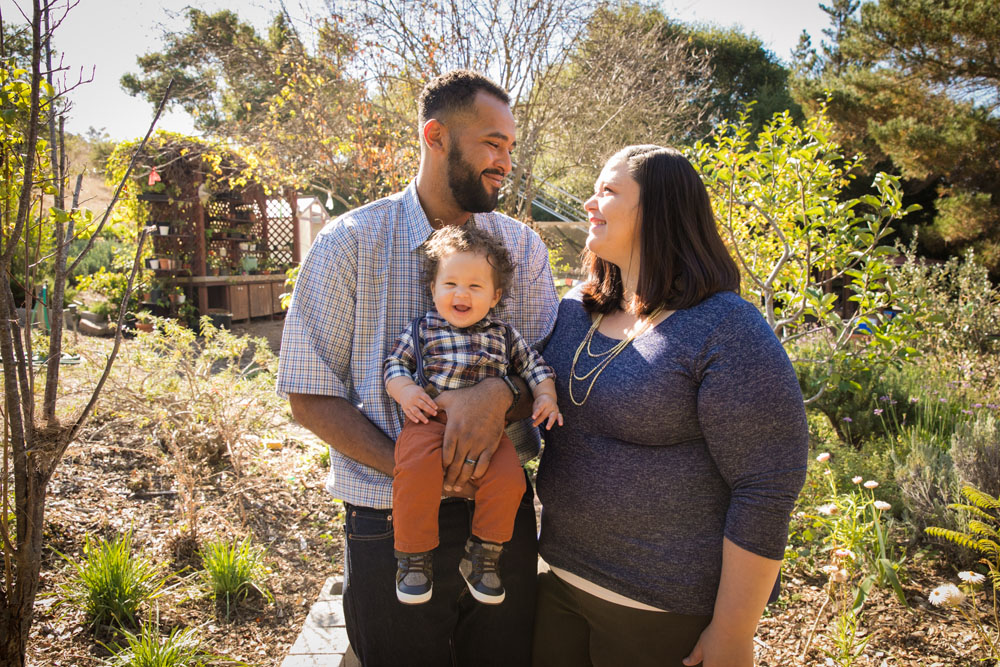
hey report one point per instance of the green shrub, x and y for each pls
(111, 583)
(233, 569)
(112, 285)
(207, 398)
(975, 450)
(960, 308)
(927, 483)
(181, 648)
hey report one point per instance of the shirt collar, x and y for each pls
(435, 321)
(418, 227)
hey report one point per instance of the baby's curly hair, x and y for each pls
(466, 238)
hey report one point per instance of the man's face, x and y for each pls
(479, 153)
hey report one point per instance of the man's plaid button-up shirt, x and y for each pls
(359, 287)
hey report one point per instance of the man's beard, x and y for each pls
(467, 186)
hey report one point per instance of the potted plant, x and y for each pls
(188, 312)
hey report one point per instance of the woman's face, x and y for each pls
(613, 213)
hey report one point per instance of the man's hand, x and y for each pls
(475, 424)
(417, 404)
(546, 409)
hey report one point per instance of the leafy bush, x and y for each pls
(801, 239)
(233, 569)
(927, 483)
(207, 399)
(291, 277)
(111, 285)
(975, 449)
(111, 583)
(960, 306)
(181, 648)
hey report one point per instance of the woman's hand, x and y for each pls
(717, 648)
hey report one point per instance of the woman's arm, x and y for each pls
(753, 420)
(746, 583)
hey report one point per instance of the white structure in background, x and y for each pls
(312, 217)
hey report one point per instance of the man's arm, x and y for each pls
(341, 425)
(476, 419)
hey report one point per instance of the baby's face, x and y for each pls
(464, 290)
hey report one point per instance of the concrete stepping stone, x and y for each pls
(323, 640)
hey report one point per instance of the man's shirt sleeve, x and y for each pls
(319, 328)
(541, 304)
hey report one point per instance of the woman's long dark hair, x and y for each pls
(682, 257)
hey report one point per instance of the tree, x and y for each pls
(636, 76)
(631, 79)
(814, 260)
(917, 86)
(743, 72)
(522, 44)
(32, 190)
(298, 107)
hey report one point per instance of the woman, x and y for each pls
(666, 495)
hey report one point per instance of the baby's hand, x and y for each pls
(416, 404)
(545, 408)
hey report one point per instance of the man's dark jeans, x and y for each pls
(452, 629)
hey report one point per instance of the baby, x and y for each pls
(456, 345)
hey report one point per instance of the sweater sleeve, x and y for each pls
(753, 421)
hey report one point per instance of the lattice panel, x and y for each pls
(280, 230)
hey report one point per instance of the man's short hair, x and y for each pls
(455, 91)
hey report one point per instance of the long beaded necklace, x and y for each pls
(605, 357)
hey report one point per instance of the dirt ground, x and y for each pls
(263, 327)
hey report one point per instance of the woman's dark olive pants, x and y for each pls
(576, 629)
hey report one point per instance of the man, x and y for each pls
(359, 287)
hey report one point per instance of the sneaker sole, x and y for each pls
(410, 598)
(484, 598)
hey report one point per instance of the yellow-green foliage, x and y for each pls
(982, 536)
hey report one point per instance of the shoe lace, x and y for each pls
(415, 563)
(489, 560)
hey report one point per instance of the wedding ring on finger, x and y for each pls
(471, 462)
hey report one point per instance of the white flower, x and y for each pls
(824, 457)
(829, 569)
(883, 506)
(946, 595)
(843, 553)
(827, 509)
(839, 577)
(871, 484)
(973, 578)
(858, 479)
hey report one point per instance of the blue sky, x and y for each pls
(106, 36)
